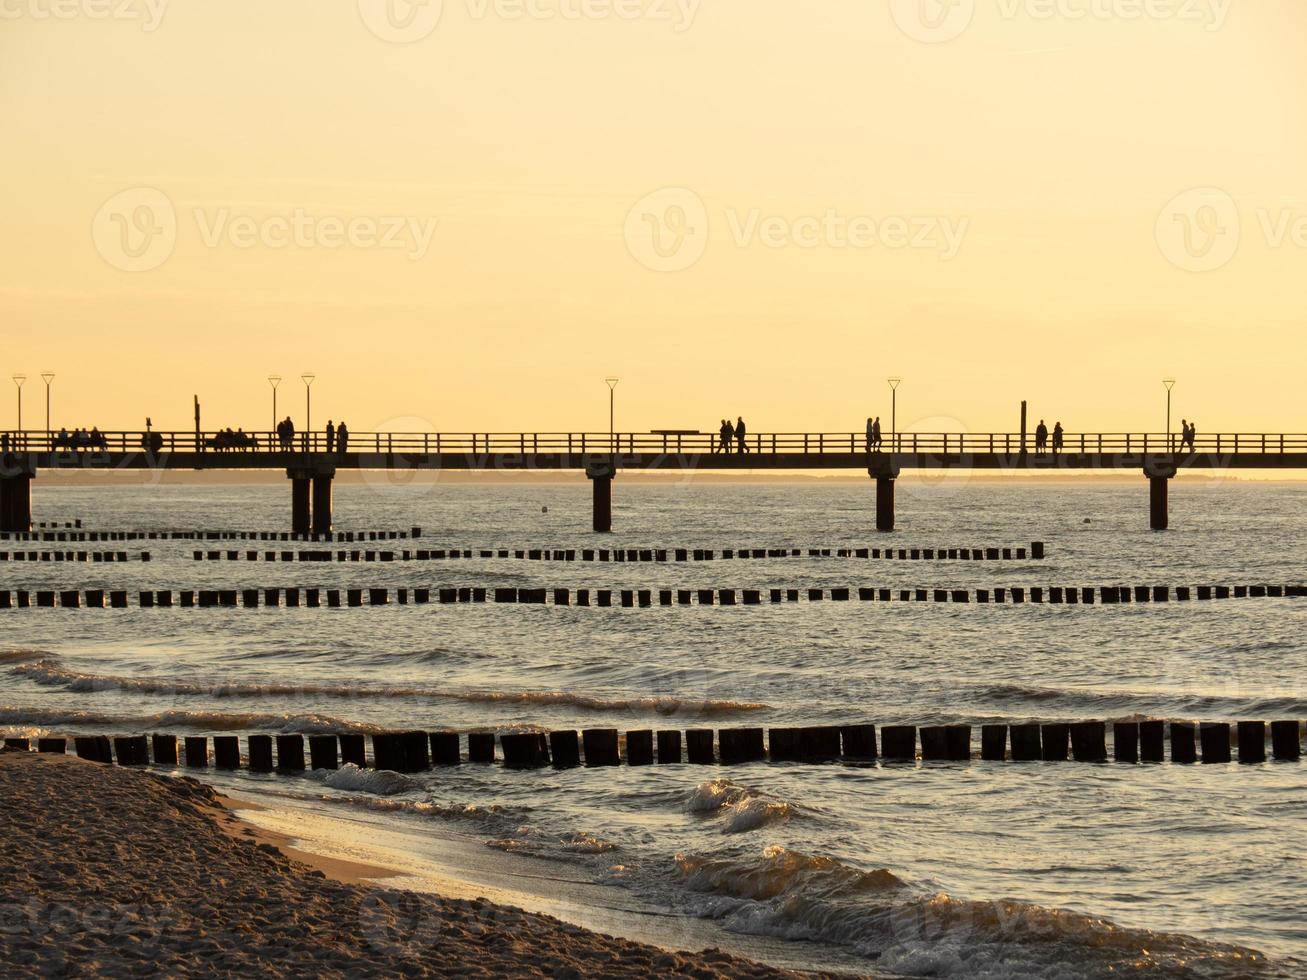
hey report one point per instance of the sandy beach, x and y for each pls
(110, 872)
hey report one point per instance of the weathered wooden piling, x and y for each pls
(93, 748)
(259, 748)
(934, 743)
(481, 747)
(898, 743)
(1252, 741)
(740, 745)
(1125, 741)
(1027, 745)
(640, 747)
(993, 743)
(523, 750)
(323, 752)
(1182, 743)
(1089, 741)
(197, 752)
(165, 749)
(1214, 736)
(1152, 741)
(669, 747)
(132, 750)
(290, 753)
(699, 746)
(445, 748)
(858, 742)
(1286, 740)
(226, 752)
(600, 746)
(1053, 740)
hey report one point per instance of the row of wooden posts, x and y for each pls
(83, 556)
(631, 554)
(314, 598)
(418, 751)
(415, 532)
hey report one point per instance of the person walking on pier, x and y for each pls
(739, 434)
(331, 437)
(871, 434)
(727, 434)
(1187, 440)
(875, 433)
(1041, 438)
(1057, 438)
(342, 438)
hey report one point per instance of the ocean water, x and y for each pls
(961, 870)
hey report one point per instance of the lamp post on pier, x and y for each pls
(18, 381)
(1170, 383)
(274, 380)
(47, 377)
(307, 378)
(894, 412)
(612, 432)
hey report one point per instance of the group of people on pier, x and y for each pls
(1187, 432)
(729, 433)
(873, 435)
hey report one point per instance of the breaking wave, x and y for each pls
(287, 724)
(797, 896)
(47, 673)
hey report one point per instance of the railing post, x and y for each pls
(1263, 443)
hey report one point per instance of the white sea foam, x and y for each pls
(380, 782)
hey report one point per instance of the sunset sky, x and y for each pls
(736, 206)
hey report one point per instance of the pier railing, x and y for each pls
(657, 442)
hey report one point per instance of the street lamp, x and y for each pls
(274, 380)
(1170, 383)
(894, 412)
(47, 377)
(612, 438)
(308, 406)
(18, 380)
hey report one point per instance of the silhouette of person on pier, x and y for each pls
(1041, 438)
(727, 434)
(342, 438)
(871, 434)
(1189, 432)
(1057, 438)
(286, 433)
(331, 437)
(875, 433)
(739, 434)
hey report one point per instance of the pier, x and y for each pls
(311, 469)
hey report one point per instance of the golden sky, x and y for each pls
(736, 206)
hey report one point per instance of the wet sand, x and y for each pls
(111, 872)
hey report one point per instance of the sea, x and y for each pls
(926, 869)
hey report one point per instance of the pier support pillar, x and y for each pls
(1159, 470)
(322, 503)
(300, 507)
(884, 471)
(601, 473)
(16, 496)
